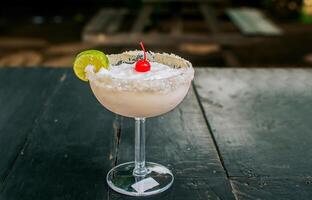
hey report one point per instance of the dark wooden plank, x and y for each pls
(271, 188)
(181, 141)
(189, 189)
(22, 98)
(260, 119)
(69, 151)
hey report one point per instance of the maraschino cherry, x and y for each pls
(142, 65)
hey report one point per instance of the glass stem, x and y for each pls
(140, 169)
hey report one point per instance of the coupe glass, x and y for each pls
(141, 99)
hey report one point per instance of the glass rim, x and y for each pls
(185, 76)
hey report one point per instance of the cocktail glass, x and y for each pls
(141, 99)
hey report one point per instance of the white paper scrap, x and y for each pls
(145, 184)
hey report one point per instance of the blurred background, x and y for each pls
(215, 33)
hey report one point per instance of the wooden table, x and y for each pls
(239, 134)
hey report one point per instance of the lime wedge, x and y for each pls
(89, 57)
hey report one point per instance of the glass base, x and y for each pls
(122, 180)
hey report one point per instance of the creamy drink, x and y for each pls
(127, 92)
(137, 84)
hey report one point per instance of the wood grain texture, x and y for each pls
(181, 141)
(272, 188)
(70, 149)
(22, 99)
(75, 142)
(58, 142)
(260, 119)
(209, 188)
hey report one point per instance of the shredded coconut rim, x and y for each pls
(184, 75)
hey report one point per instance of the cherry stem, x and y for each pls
(142, 46)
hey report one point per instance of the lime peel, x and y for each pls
(89, 57)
